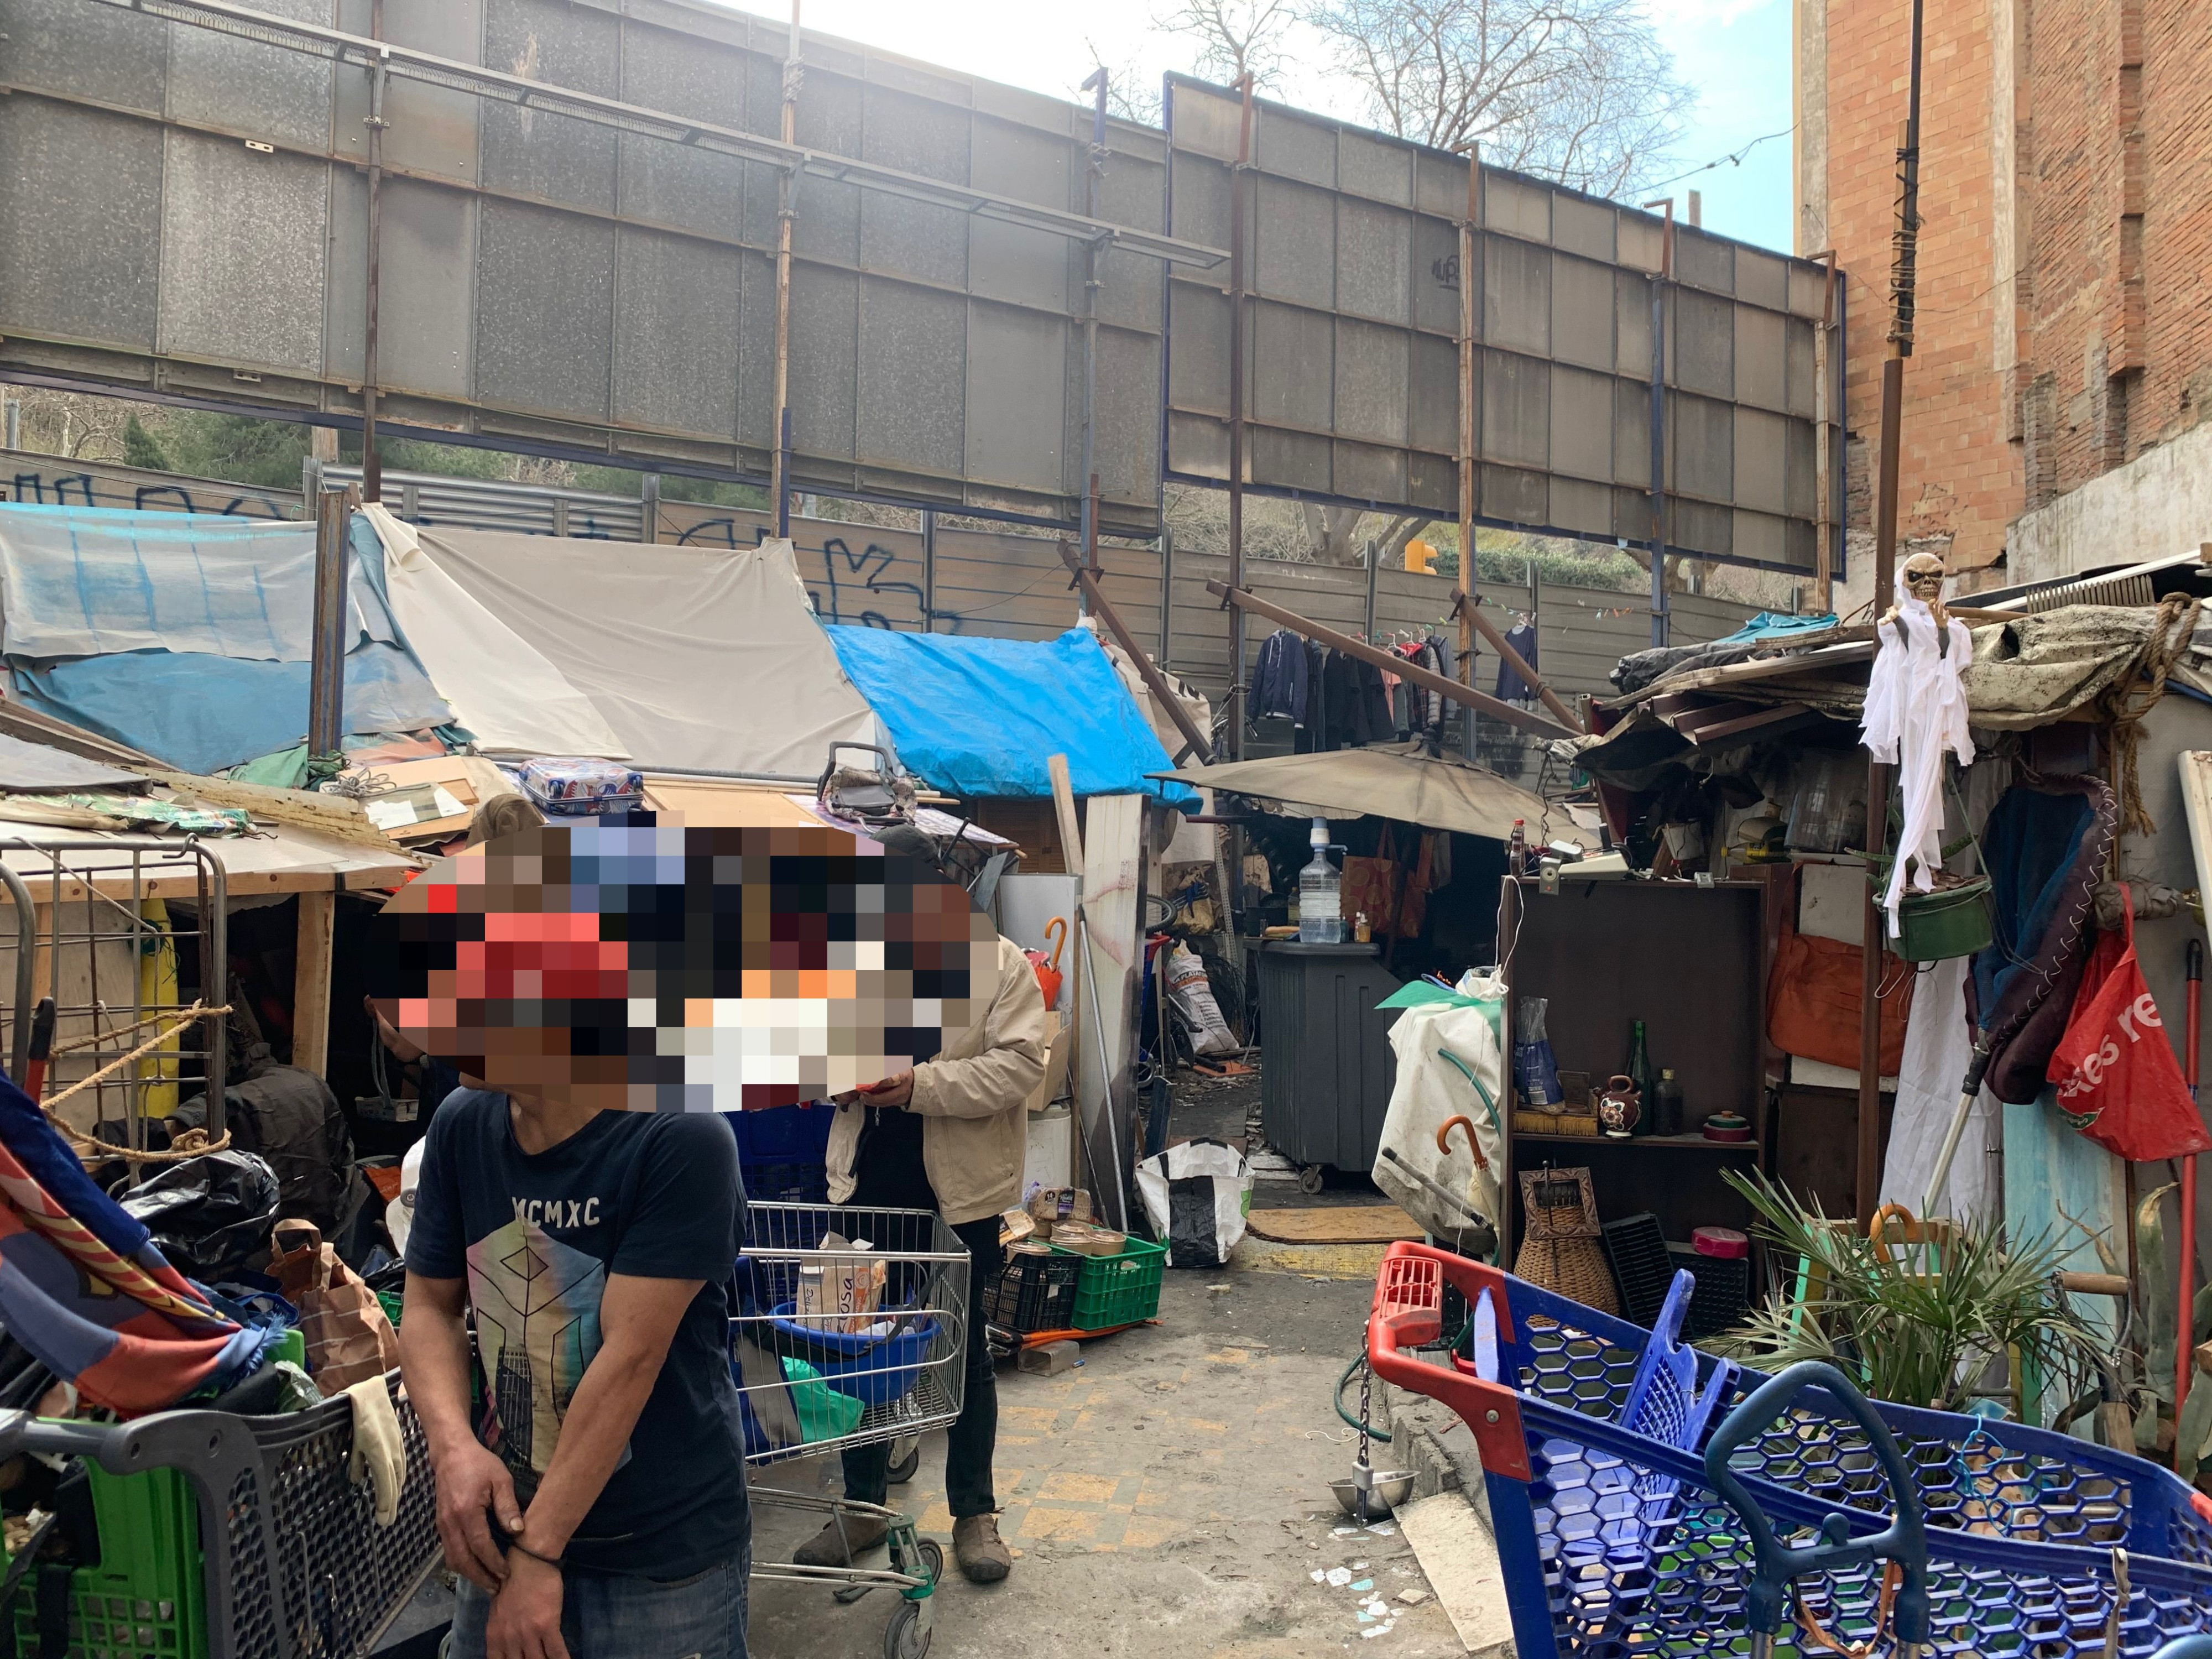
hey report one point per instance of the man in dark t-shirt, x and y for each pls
(593, 1501)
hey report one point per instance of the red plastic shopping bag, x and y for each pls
(2117, 1080)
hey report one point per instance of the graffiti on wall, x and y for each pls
(865, 587)
(60, 484)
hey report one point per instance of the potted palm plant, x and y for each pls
(1918, 1314)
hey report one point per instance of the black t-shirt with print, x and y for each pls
(654, 1195)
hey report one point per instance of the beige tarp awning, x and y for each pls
(1392, 782)
(675, 658)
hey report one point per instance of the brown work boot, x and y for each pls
(844, 1538)
(982, 1554)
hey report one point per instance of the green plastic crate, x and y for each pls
(148, 1595)
(1118, 1290)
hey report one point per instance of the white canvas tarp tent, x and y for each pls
(679, 660)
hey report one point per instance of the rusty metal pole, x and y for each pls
(929, 570)
(1902, 274)
(1824, 418)
(1094, 169)
(1660, 278)
(1463, 583)
(1091, 525)
(326, 669)
(1237, 194)
(372, 463)
(786, 211)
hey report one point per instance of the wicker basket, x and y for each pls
(1561, 1246)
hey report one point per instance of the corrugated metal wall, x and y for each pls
(1581, 631)
(988, 582)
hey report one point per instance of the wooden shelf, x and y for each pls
(1654, 1143)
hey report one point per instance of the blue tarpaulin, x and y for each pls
(204, 713)
(975, 716)
(188, 636)
(1778, 624)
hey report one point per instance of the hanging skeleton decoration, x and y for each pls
(1916, 710)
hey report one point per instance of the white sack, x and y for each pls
(1192, 993)
(1195, 1196)
(1430, 1090)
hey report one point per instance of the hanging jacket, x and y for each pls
(1375, 724)
(1512, 688)
(1425, 708)
(1278, 678)
(1305, 733)
(1346, 718)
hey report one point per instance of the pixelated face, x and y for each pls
(639, 964)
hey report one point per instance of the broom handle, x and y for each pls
(2184, 1347)
(1967, 1089)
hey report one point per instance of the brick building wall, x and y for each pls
(2064, 323)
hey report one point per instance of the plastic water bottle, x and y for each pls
(1321, 894)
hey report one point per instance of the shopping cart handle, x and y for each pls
(21, 1432)
(1776, 1564)
(1408, 1313)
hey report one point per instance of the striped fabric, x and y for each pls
(82, 1286)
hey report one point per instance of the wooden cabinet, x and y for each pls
(1691, 963)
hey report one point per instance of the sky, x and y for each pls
(1734, 52)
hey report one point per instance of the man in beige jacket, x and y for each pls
(947, 1136)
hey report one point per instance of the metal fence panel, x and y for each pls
(998, 584)
(1582, 631)
(56, 481)
(1353, 312)
(185, 211)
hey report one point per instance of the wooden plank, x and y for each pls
(311, 982)
(1113, 862)
(1715, 730)
(239, 884)
(1561, 712)
(1745, 673)
(1459, 1558)
(1063, 806)
(1512, 713)
(335, 816)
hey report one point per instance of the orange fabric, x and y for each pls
(1813, 1001)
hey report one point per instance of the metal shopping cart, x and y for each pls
(1668, 1529)
(811, 1383)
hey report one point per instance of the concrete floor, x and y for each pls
(1168, 1496)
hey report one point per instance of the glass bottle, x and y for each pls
(1666, 1105)
(1641, 1074)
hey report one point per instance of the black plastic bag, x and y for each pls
(209, 1215)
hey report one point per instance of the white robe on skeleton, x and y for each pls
(1915, 710)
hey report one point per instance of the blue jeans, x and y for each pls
(604, 1617)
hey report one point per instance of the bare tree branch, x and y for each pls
(1577, 90)
(1235, 38)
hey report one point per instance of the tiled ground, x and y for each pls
(1168, 1496)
